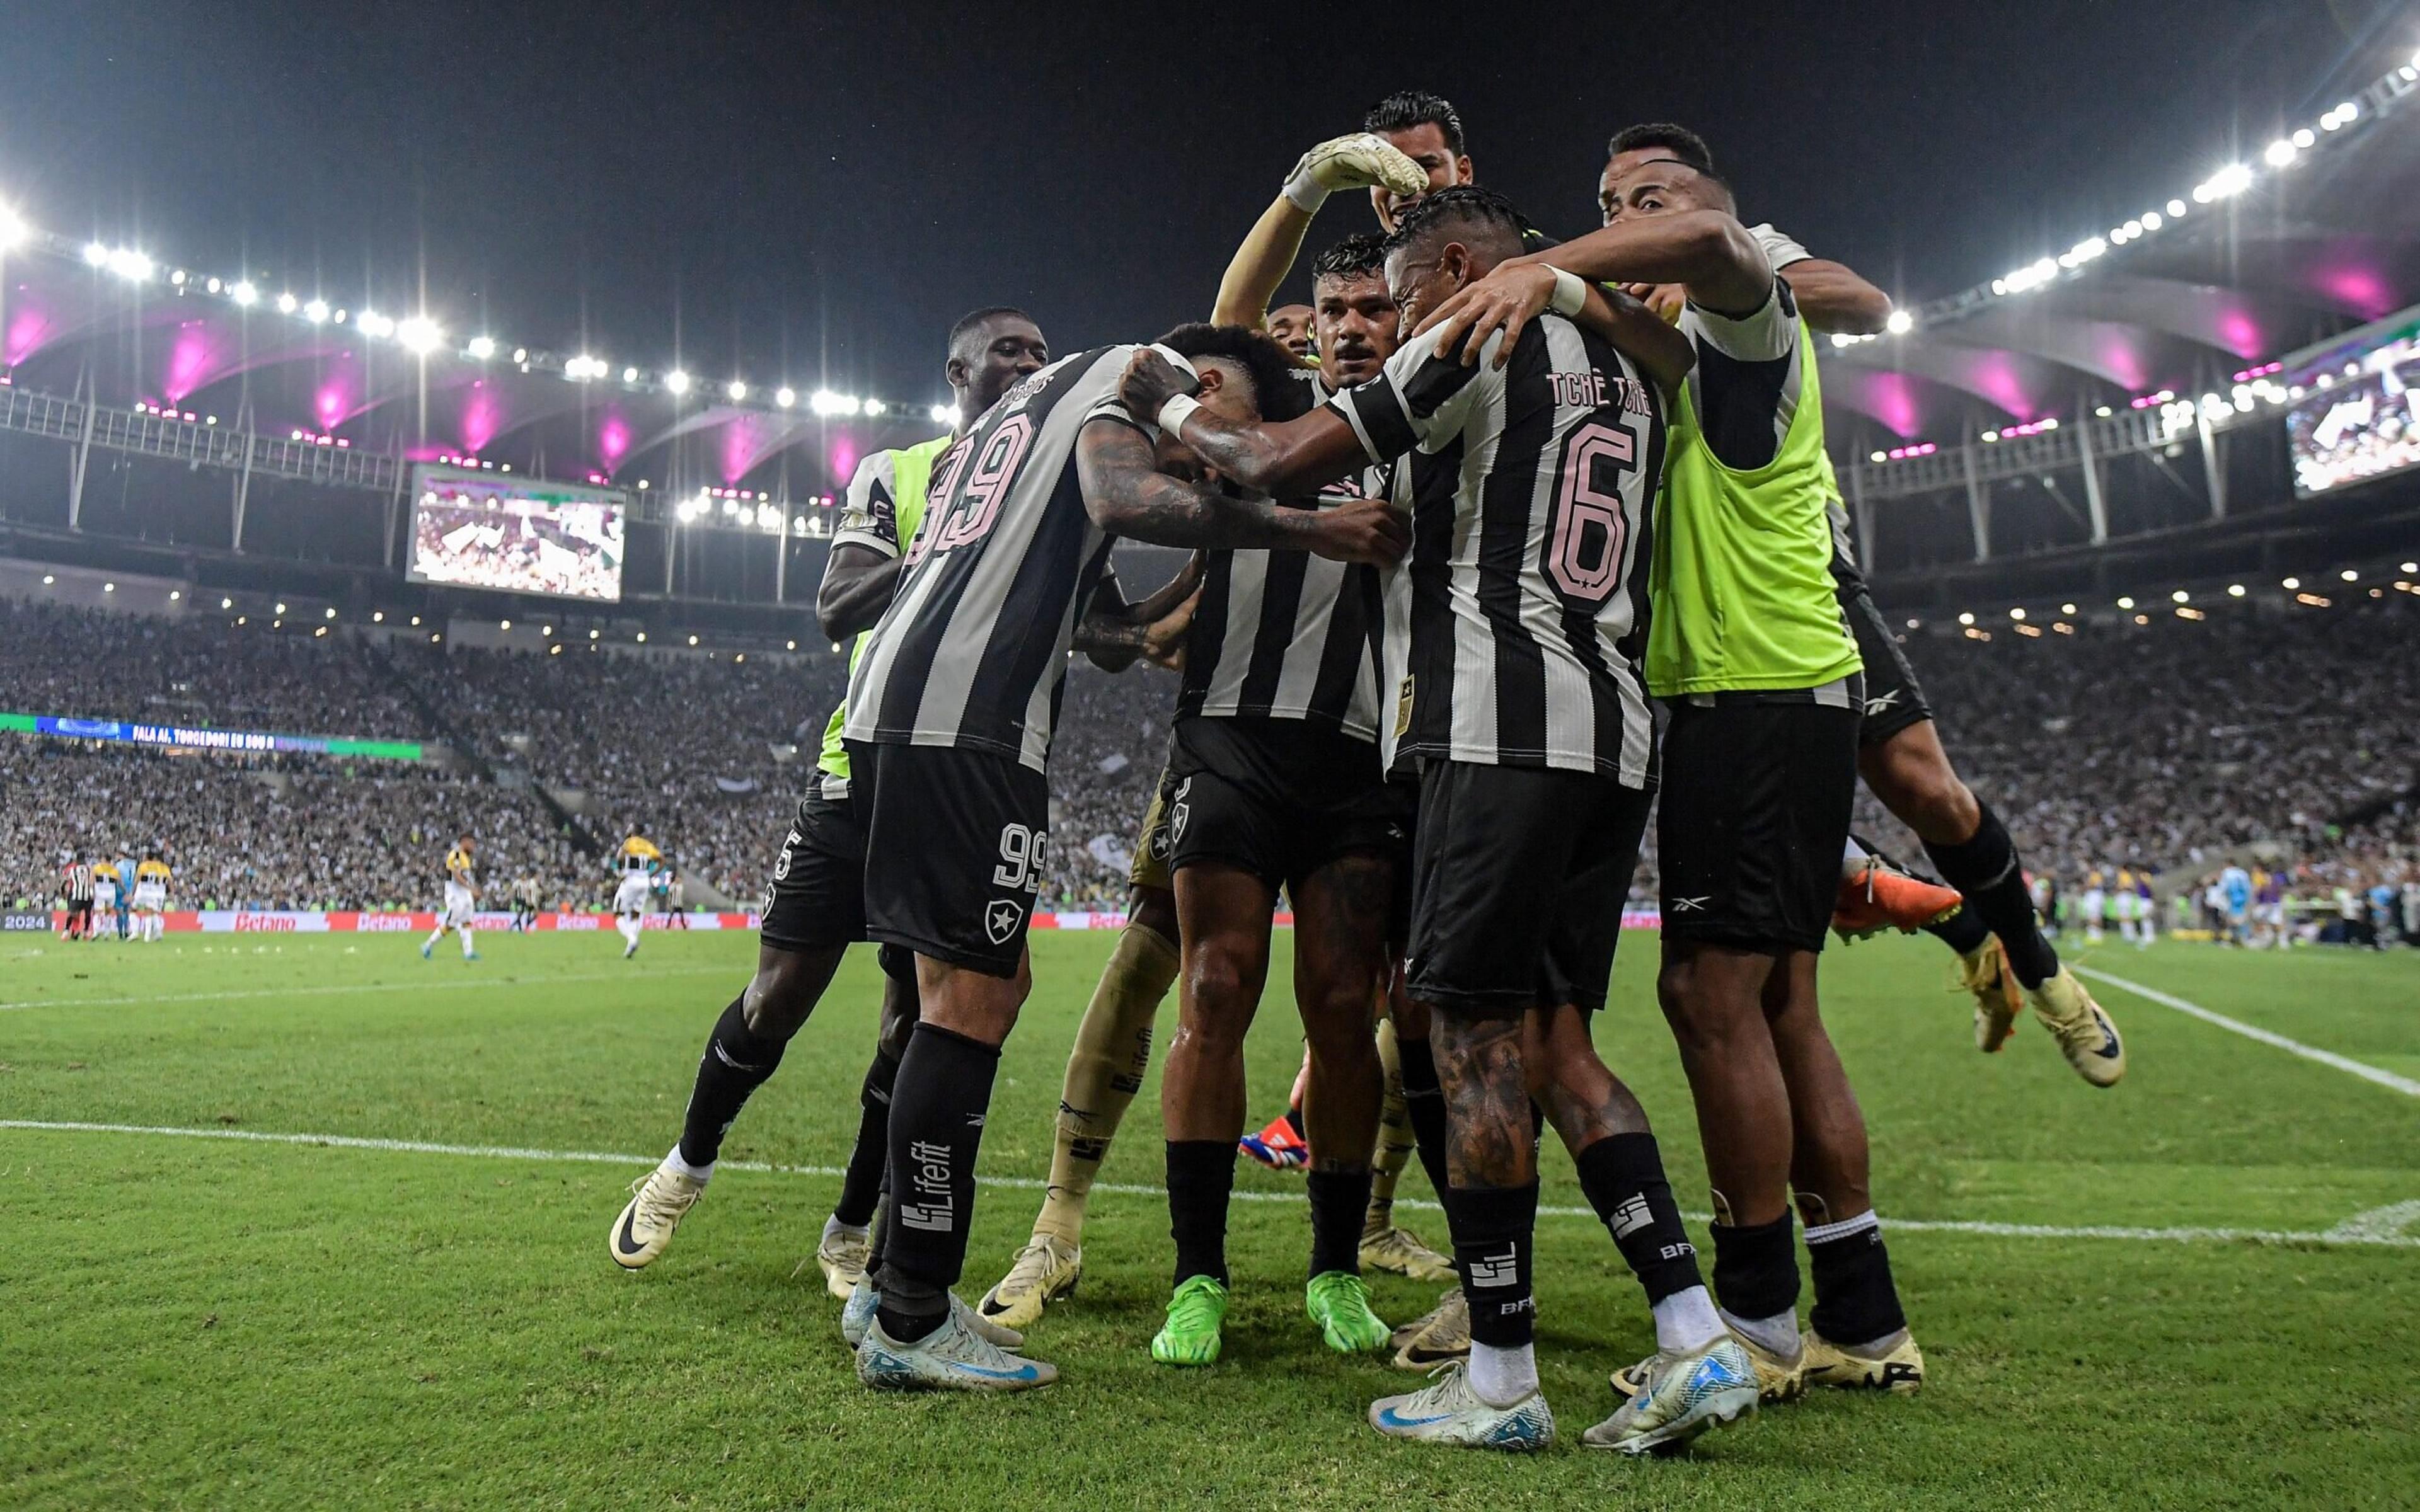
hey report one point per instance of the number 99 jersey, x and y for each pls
(1516, 623)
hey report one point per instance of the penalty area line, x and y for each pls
(2387, 1079)
(2381, 1227)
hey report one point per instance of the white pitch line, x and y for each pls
(2380, 1228)
(459, 985)
(2404, 1085)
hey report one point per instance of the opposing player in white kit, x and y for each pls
(460, 911)
(635, 863)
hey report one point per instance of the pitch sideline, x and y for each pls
(2378, 1228)
(2387, 1079)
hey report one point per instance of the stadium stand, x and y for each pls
(2168, 745)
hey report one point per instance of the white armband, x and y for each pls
(1172, 413)
(1570, 296)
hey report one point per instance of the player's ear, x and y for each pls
(956, 372)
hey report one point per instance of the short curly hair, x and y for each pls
(1275, 378)
(1462, 205)
(1358, 255)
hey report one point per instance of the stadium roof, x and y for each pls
(2317, 233)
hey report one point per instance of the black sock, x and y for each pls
(938, 1107)
(862, 1181)
(1424, 1104)
(1756, 1269)
(1986, 872)
(1624, 1177)
(1200, 1176)
(1293, 1121)
(737, 1060)
(1492, 1229)
(1340, 1200)
(1854, 1300)
(1963, 931)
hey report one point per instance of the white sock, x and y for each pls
(1502, 1376)
(465, 932)
(1686, 1322)
(833, 1227)
(1777, 1335)
(700, 1173)
(430, 943)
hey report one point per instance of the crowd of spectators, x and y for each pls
(89, 663)
(2159, 746)
(306, 832)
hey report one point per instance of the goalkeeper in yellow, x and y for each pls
(150, 897)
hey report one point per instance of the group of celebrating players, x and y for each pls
(1514, 494)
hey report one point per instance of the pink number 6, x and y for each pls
(1583, 563)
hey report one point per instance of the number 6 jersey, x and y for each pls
(973, 651)
(1516, 623)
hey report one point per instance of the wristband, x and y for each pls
(1173, 414)
(1569, 293)
(1308, 194)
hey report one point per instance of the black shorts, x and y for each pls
(1894, 699)
(815, 898)
(1519, 874)
(953, 851)
(1757, 792)
(1278, 798)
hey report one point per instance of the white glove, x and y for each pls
(1360, 160)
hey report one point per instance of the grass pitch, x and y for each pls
(249, 1321)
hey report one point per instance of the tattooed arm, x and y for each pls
(1127, 494)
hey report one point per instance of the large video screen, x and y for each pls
(2359, 416)
(476, 530)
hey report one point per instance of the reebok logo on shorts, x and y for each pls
(1880, 703)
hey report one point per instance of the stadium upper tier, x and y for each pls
(2076, 357)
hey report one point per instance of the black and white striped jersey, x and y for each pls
(1516, 623)
(973, 651)
(1286, 635)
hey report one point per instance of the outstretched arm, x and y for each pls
(1358, 159)
(1831, 296)
(1127, 494)
(1260, 265)
(1291, 459)
(1709, 251)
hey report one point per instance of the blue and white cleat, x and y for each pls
(857, 1316)
(472, 956)
(1683, 1395)
(954, 1357)
(1448, 1412)
(424, 949)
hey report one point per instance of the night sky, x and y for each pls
(811, 193)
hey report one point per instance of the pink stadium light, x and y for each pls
(2242, 333)
(614, 440)
(844, 460)
(27, 328)
(2362, 288)
(483, 416)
